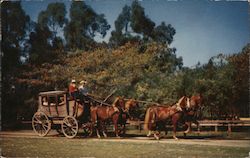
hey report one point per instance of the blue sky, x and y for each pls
(203, 28)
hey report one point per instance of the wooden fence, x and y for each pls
(229, 124)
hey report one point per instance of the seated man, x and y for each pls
(45, 101)
(72, 89)
(83, 91)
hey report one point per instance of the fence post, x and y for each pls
(229, 128)
(216, 128)
(139, 123)
(199, 130)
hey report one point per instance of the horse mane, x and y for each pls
(127, 104)
(180, 101)
(116, 101)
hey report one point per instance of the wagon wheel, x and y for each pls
(70, 127)
(41, 124)
(87, 129)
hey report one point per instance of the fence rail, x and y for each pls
(229, 124)
(208, 123)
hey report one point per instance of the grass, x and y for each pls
(63, 147)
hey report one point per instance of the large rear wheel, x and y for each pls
(70, 127)
(41, 124)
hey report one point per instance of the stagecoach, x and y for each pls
(57, 111)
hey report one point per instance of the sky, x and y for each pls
(203, 28)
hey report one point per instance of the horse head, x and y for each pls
(119, 102)
(196, 101)
(183, 103)
(131, 104)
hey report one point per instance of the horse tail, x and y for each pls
(147, 119)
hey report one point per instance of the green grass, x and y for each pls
(63, 147)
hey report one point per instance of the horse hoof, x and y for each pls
(175, 138)
(99, 136)
(156, 137)
(185, 134)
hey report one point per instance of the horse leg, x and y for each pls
(166, 132)
(156, 135)
(104, 129)
(123, 129)
(149, 133)
(115, 122)
(97, 130)
(174, 121)
(189, 127)
(95, 122)
(116, 130)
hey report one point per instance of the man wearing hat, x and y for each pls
(84, 93)
(72, 89)
(82, 88)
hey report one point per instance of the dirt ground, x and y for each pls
(192, 140)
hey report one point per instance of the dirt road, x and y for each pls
(182, 140)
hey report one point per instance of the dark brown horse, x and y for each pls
(101, 114)
(156, 115)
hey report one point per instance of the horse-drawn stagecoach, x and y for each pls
(56, 110)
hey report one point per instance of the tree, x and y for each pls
(14, 28)
(44, 43)
(85, 24)
(39, 45)
(141, 27)
(164, 33)
(53, 17)
(240, 63)
(140, 23)
(14, 25)
(121, 35)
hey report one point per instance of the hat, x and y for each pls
(73, 81)
(83, 82)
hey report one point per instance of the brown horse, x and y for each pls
(101, 114)
(156, 115)
(125, 114)
(190, 114)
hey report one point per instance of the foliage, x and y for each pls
(139, 22)
(84, 25)
(14, 24)
(223, 82)
(142, 28)
(53, 17)
(164, 33)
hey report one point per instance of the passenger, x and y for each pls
(73, 89)
(45, 101)
(83, 91)
(61, 100)
(83, 88)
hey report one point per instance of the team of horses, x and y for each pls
(183, 111)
